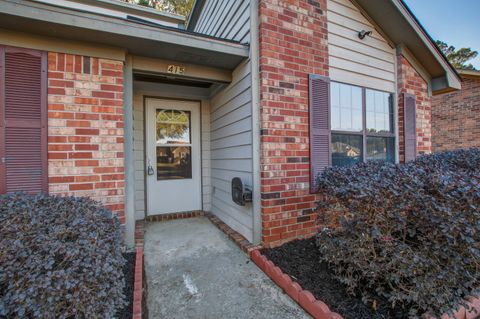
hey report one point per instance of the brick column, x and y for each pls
(85, 129)
(409, 81)
(293, 44)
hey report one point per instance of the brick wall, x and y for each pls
(293, 43)
(409, 81)
(85, 129)
(456, 117)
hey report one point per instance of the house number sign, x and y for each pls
(176, 69)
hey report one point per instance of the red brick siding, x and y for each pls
(456, 117)
(85, 129)
(409, 81)
(293, 43)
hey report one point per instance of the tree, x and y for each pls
(458, 58)
(181, 7)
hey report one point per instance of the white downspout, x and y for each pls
(129, 156)
(255, 71)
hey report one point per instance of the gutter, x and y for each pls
(430, 38)
(469, 73)
(119, 27)
(437, 53)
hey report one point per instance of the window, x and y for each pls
(346, 149)
(380, 148)
(173, 145)
(361, 125)
(346, 108)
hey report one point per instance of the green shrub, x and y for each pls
(60, 257)
(407, 233)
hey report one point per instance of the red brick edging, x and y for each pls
(138, 284)
(243, 243)
(316, 308)
(319, 310)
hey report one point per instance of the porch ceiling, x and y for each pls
(137, 37)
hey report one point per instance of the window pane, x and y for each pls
(379, 122)
(335, 118)
(174, 162)
(357, 120)
(347, 101)
(356, 98)
(380, 148)
(379, 111)
(379, 107)
(345, 95)
(173, 127)
(370, 97)
(346, 119)
(335, 92)
(370, 119)
(346, 149)
(173, 148)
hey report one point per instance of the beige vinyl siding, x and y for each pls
(369, 62)
(231, 149)
(176, 92)
(225, 19)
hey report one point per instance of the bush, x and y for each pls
(408, 234)
(60, 257)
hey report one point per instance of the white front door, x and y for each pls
(173, 156)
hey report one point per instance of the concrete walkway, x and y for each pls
(194, 271)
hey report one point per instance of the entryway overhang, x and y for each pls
(137, 37)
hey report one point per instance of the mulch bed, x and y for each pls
(300, 259)
(129, 272)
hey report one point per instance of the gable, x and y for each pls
(369, 62)
(406, 33)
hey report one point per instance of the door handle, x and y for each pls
(150, 170)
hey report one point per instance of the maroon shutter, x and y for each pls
(2, 122)
(320, 153)
(23, 113)
(410, 126)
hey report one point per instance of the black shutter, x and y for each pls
(320, 152)
(23, 117)
(410, 126)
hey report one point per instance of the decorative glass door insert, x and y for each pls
(173, 144)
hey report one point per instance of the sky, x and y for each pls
(454, 22)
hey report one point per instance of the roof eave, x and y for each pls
(136, 38)
(400, 25)
(469, 73)
(451, 81)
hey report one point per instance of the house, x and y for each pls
(456, 115)
(154, 115)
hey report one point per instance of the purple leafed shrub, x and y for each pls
(60, 257)
(408, 234)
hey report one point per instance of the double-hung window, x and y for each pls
(361, 125)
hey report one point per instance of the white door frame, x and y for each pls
(177, 198)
